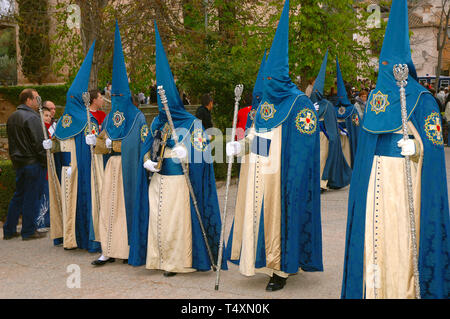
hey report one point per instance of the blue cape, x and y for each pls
(301, 232)
(126, 123)
(257, 93)
(336, 171)
(434, 243)
(201, 174)
(346, 110)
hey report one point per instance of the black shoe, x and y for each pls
(169, 274)
(276, 283)
(125, 261)
(36, 235)
(102, 262)
(323, 190)
(7, 237)
(73, 248)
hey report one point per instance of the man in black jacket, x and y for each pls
(204, 112)
(25, 139)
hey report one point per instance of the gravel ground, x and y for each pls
(36, 269)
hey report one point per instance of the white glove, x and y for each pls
(108, 143)
(150, 166)
(316, 106)
(47, 144)
(179, 151)
(91, 139)
(343, 133)
(233, 148)
(408, 147)
(69, 171)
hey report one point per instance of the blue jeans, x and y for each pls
(25, 201)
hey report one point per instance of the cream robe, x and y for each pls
(169, 245)
(69, 191)
(388, 267)
(112, 223)
(324, 146)
(345, 142)
(69, 187)
(56, 212)
(263, 181)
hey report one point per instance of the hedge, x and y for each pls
(54, 93)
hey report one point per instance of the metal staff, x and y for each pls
(162, 95)
(51, 159)
(401, 72)
(86, 99)
(237, 97)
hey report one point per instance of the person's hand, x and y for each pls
(233, 148)
(91, 139)
(180, 151)
(108, 142)
(408, 147)
(316, 106)
(47, 144)
(151, 166)
(69, 171)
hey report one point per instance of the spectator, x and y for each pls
(438, 101)
(25, 138)
(360, 102)
(447, 118)
(141, 98)
(96, 103)
(49, 105)
(204, 111)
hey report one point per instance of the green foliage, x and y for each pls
(54, 93)
(34, 23)
(7, 186)
(8, 68)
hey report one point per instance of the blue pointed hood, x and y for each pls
(123, 112)
(180, 117)
(74, 118)
(280, 92)
(319, 83)
(383, 111)
(258, 89)
(341, 91)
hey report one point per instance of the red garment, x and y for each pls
(47, 125)
(99, 116)
(242, 122)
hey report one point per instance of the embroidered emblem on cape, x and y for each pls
(66, 121)
(306, 121)
(433, 128)
(198, 140)
(267, 111)
(144, 132)
(355, 119)
(94, 130)
(118, 118)
(379, 102)
(341, 110)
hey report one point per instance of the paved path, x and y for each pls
(36, 269)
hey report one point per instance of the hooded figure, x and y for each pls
(348, 119)
(77, 187)
(125, 128)
(335, 173)
(280, 230)
(174, 239)
(378, 256)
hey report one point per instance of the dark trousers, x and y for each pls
(26, 200)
